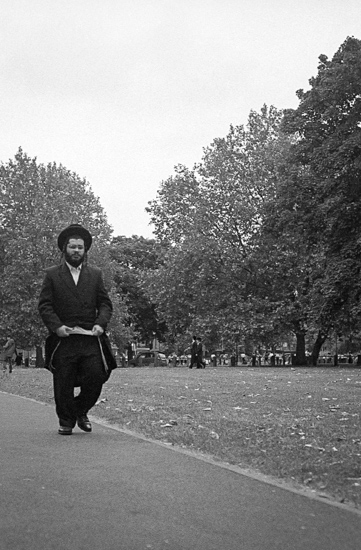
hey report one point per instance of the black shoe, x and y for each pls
(65, 430)
(84, 423)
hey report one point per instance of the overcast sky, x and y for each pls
(121, 91)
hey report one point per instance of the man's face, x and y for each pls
(74, 253)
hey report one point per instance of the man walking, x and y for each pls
(9, 350)
(74, 305)
(193, 352)
(200, 362)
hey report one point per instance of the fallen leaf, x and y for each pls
(101, 401)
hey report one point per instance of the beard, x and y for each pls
(74, 262)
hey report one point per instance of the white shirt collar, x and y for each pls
(74, 269)
(74, 272)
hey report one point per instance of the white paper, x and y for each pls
(79, 330)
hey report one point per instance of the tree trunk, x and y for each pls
(320, 340)
(300, 348)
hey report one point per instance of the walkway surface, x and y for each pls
(110, 490)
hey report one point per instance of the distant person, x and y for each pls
(75, 307)
(9, 351)
(200, 361)
(129, 350)
(193, 352)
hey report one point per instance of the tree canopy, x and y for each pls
(210, 217)
(37, 202)
(320, 190)
(263, 234)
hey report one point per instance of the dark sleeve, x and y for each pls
(45, 305)
(104, 304)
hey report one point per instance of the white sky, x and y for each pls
(121, 91)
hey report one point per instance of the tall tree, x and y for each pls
(321, 184)
(210, 216)
(37, 201)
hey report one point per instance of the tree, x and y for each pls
(133, 257)
(222, 197)
(321, 184)
(272, 213)
(36, 202)
(209, 217)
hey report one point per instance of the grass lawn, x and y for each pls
(299, 425)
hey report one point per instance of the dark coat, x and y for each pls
(9, 348)
(200, 351)
(86, 304)
(194, 350)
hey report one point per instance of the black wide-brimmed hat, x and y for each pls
(75, 230)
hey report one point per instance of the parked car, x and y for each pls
(146, 358)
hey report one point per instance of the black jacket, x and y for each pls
(86, 304)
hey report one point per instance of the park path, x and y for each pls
(112, 490)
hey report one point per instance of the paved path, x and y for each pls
(111, 491)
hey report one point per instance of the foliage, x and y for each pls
(222, 197)
(320, 189)
(133, 257)
(210, 216)
(37, 202)
(263, 233)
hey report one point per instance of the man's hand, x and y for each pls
(97, 330)
(63, 331)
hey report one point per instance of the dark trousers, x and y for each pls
(9, 361)
(200, 363)
(77, 362)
